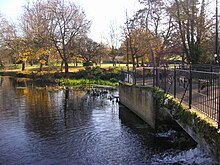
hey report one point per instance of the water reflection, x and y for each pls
(41, 125)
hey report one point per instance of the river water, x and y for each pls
(44, 125)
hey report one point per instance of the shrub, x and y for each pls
(98, 73)
(87, 64)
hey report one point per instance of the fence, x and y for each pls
(198, 87)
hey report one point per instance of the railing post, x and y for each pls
(128, 75)
(135, 77)
(154, 76)
(190, 86)
(122, 78)
(218, 102)
(174, 79)
(157, 81)
(165, 79)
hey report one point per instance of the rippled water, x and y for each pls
(39, 125)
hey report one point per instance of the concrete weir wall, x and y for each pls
(140, 101)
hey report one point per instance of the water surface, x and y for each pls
(43, 125)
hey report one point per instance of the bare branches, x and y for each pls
(57, 23)
(175, 27)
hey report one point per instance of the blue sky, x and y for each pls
(100, 12)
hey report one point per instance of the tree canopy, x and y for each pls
(181, 28)
(159, 31)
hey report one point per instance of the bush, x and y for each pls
(84, 83)
(87, 64)
(98, 73)
(93, 76)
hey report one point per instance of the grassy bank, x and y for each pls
(86, 83)
(77, 77)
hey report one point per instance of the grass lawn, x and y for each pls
(51, 69)
(77, 77)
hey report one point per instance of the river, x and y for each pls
(45, 125)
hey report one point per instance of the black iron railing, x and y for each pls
(198, 88)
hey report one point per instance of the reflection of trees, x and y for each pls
(50, 111)
(65, 103)
(72, 106)
(45, 112)
(7, 98)
(39, 116)
(1, 81)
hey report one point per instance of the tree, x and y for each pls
(89, 50)
(24, 52)
(42, 56)
(194, 27)
(35, 34)
(113, 43)
(130, 49)
(159, 27)
(54, 24)
(66, 22)
(113, 53)
(141, 42)
(8, 36)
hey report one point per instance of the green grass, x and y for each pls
(78, 76)
(85, 83)
(55, 65)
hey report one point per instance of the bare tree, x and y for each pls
(89, 51)
(49, 24)
(8, 36)
(194, 26)
(66, 22)
(130, 46)
(159, 24)
(35, 34)
(113, 42)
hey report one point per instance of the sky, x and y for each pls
(102, 13)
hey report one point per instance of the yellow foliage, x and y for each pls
(42, 61)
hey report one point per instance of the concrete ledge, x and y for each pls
(199, 128)
(140, 101)
(151, 104)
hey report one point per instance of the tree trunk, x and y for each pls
(23, 66)
(142, 61)
(61, 66)
(137, 61)
(182, 31)
(66, 68)
(31, 62)
(47, 60)
(133, 62)
(41, 67)
(66, 103)
(76, 63)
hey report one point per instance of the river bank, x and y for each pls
(80, 78)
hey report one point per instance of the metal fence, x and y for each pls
(198, 88)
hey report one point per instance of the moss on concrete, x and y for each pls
(204, 129)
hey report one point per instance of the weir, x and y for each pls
(139, 99)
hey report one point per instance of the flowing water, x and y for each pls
(44, 125)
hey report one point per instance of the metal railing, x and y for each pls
(198, 88)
